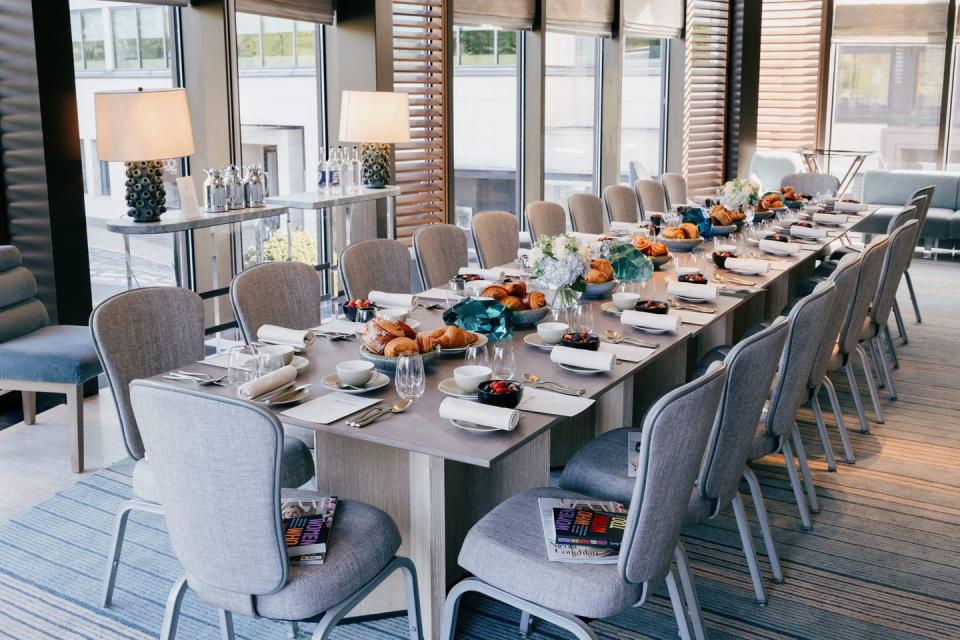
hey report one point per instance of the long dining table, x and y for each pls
(437, 480)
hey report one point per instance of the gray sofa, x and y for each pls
(892, 189)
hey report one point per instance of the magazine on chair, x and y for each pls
(306, 528)
(583, 554)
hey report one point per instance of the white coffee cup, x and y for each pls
(393, 314)
(625, 300)
(284, 351)
(552, 332)
(467, 378)
(356, 373)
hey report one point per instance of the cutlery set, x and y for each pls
(202, 379)
(370, 415)
(537, 382)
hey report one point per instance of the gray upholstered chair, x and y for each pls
(769, 167)
(505, 550)
(622, 205)
(142, 333)
(441, 251)
(545, 219)
(35, 356)
(675, 188)
(812, 184)
(600, 468)
(927, 192)
(586, 212)
(218, 464)
(496, 237)
(379, 264)
(778, 430)
(285, 294)
(652, 197)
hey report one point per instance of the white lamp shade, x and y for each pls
(147, 124)
(374, 116)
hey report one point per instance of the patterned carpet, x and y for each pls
(882, 561)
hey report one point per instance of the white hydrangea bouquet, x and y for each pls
(560, 263)
(738, 193)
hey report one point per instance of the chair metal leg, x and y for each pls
(857, 400)
(890, 347)
(805, 470)
(898, 317)
(116, 544)
(822, 429)
(226, 626)
(795, 484)
(761, 509)
(689, 591)
(29, 400)
(294, 630)
(75, 416)
(412, 589)
(887, 371)
(848, 455)
(913, 297)
(875, 359)
(171, 615)
(746, 540)
(871, 386)
(526, 623)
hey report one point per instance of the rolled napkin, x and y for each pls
(630, 227)
(401, 300)
(655, 321)
(849, 207)
(747, 266)
(806, 232)
(494, 275)
(585, 238)
(483, 414)
(779, 248)
(267, 383)
(692, 290)
(597, 360)
(830, 218)
(282, 335)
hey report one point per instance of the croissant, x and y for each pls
(516, 288)
(595, 276)
(690, 230)
(494, 291)
(673, 233)
(536, 300)
(603, 266)
(400, 345)
(454, 337)
(408, 331)
(378, 332)
(426, 343)
(512, 302)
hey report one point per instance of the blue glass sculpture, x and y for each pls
(629, 264)
(481, 315)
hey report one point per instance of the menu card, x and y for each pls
(552, 403)
(330, 407)
(339, 325)
(693, 317)
(627, 352)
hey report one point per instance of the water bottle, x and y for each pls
(346, 173)
(322, 169)
(357, 169)
(333, 172)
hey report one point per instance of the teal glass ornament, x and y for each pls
(481, 315)
(629, 264)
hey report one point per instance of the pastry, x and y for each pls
(494, 291)
(400, 345)
(516, 288)
(426, 343)
(603, 265)
(512, 302)
(536, 300)
(673, 233)
(595, 276)
(657, 249)
(641, 243)
(378, 332)
(690, 230)
(408, 331)
(452, 337)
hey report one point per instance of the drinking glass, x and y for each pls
(363, 316)
(241, 364)
(477, 356)
(410, 379)
(268, 363)
(504, 361)
(582, 317)
(671, 219)
(749, 211)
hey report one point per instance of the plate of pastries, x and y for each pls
(599, 277)
(771, 201)
(721, 217)
(382, 341)
(685, 237)
(658, 252)
(529, 307)
(793, 198)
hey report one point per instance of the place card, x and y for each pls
(330, 407)
(626, 352)
(551, 403)
(693, 317)
(779, 265)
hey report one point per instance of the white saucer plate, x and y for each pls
(470, 426)
(612, 309)
(583, 371)
(378, 381)
(449, 387)
(537, 342)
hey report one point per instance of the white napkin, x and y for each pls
(806, 232)
(698, 318)
(398, 300)
(338, 325)
(830, 218)
(747, 265)
(483, 414)
(779, 248)
(282, 335)
(849, 207)
(655, 321)
(269, 382)
(692, 290)
(552, 403)
(582, 358)
(330, 407)
(630, 227)
(494, 275)
(627, 352)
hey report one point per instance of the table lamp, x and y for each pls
(375, 119)
(142, 128)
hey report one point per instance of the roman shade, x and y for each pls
(654, 18)
(319, 11)
(514, 15)
(890, 22)
(581, 17)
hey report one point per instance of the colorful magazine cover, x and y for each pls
(576, 553)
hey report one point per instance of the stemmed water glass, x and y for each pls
(410, 380)
(504, 360)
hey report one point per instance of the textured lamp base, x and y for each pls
(146, 196)
(376, 165)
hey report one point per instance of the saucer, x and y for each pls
(449, 387)
(297, 397)
(377, 381)
(581, 370)
(612, 309)
(470, 426)
(537, 342)
(653, 332)
(300, 363)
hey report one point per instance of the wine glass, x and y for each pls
(749, 211)
(477, 356)
(241, 364)
(268, 363)
(410, 379)
(504, 360)
(671, 219)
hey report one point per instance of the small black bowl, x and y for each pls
(777, 237)
(351, 312)
(720, 257)
(586, 341)
(507, 400)
(652, 306)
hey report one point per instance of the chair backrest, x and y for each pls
(651, 196)
(638, 171)
(545, 219)
(285, 294)
(927, 194)
(496, 237)
(751, 366)
(675, 188)
(769, 167)
(807, 320)
(895, 262)
(675, 432)
(143, 333)
(586, 212)
(871, 264)
(908, 213)
(20, 312)
(845, 277)
(622, 205)
(217, 467)
(379, 264)
(441, 251)
(812, 183)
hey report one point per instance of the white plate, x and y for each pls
(582, 370)
(653, 332)
(611, 308)
(479, 342)
(378, 381)
(470, 426)
(537, 342)
(693, 300)
(295, 348)
(449, 387)
(300, 363)
(297, 397)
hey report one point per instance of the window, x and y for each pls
(642, 113)
(265, 42)
(87, 32)
(139, 37)
(571, 87)
(103, 188)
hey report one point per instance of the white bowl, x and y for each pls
(467, 378)
(552, 332)
(625, 300)
(282, 350)
(356, 373)
(393, 314)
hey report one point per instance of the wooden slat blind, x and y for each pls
(705, 87)
(418, 55)
(789, 68)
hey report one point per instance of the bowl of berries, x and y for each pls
(581, 340)
(500, 393)
(652, 306)
(720, 257)
(350, 308)
(693, 278)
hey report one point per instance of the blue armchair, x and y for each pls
(37, 357)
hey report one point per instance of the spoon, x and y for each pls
(537, 381)
(202, 379)
(754, 254)
(344, 385)
(689, 307)
(614, 337)
(397, 407)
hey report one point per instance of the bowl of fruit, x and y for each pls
(692, 278)
(652, 306)
(350, 308)
(500, 393)
(581, 340)
(720, 257)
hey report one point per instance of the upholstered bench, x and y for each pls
(891, 189)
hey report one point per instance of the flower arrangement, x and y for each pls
(560, 263)
(738, 193)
